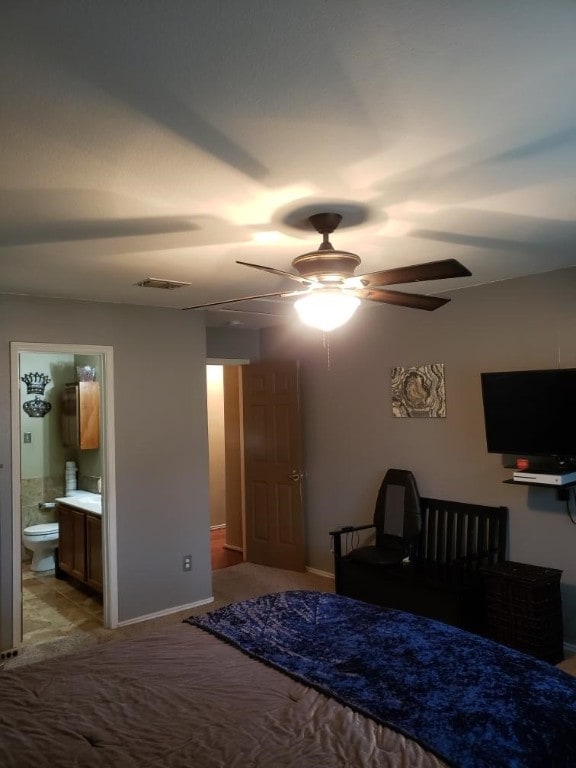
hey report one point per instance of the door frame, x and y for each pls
(109, 542)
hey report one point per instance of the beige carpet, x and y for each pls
(238, 582)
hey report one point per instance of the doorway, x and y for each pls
(225, 462)
(42, 472)
(262, 473)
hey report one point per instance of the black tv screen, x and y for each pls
(531, 413)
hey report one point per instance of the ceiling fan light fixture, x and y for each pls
(326, 309)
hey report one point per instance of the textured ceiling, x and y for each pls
(168, 139)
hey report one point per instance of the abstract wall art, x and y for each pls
(419, 391)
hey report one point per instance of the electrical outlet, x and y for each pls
(187, 563)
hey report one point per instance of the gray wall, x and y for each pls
(233, 343)
(351, 437)
(161, 444)
(350, 434)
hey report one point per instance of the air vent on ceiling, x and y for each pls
(166, 285)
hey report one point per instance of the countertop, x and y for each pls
(84, 500)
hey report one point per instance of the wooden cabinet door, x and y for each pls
(89, 415)
(81, 415)
(72, 541)
(94, 552)
(70, 416)
(79, 536)
(65, 539)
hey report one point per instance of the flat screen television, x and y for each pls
(531, 413)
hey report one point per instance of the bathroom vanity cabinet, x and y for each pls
(80, 545)
(72, 541)
(94, 552)
(81, 415)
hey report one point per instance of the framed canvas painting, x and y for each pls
(419, 391)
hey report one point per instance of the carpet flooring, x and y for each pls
(238, 582)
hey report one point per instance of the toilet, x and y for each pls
(41, 540)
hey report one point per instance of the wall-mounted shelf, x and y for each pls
(561, 490)
(511, 481)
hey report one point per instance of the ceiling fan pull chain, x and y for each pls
(326, 343)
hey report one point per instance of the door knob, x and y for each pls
(295, 476)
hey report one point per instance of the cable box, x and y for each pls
(559, 478)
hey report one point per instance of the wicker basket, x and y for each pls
(524, 608)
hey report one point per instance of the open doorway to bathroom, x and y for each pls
(63, 492)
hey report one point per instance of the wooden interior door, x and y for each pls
(273, 465)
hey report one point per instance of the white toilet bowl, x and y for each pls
(41, 540)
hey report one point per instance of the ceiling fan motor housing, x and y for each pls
(327, 265)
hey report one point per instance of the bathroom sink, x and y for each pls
(89, 502)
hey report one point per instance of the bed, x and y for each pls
(296, 678)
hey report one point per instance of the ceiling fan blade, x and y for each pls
(232, 311)
(232, 301)
(298, 278)
(410, 300)
(282, 294)
(431, 270)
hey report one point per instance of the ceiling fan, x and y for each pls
(331, 292)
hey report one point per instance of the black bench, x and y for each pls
(442, 577)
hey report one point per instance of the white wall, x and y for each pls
(351, 436)
(161, 444)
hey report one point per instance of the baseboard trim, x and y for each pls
(318, 572)
(570, 649)
(167, 612)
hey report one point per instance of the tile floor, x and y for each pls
(54, 608)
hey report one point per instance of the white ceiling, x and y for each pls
(158, 139)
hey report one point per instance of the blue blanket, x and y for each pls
(472, 702)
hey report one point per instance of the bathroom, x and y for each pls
(55, 601)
